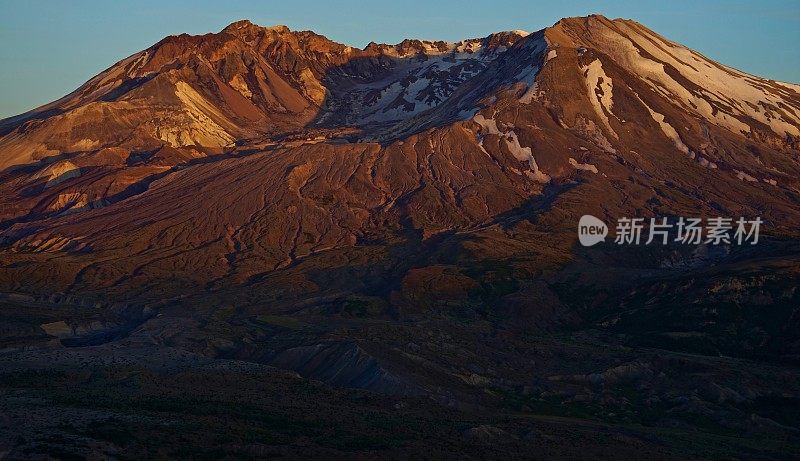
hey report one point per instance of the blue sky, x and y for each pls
(48, 48)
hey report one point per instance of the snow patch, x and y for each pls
(668, 130)
(704, 162)
(582, 166)
(744, 176)
(490, 125)
(527, 75)
(523, 154)
(763, 100)
(530, 94)
(596, 79)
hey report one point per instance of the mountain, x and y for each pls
(402, 219)
(244, 82)
(319, 146)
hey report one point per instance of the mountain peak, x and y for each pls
(579, 29)
(238, 25)
(246, 26)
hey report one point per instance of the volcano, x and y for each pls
(401, 220)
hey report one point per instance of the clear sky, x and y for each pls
(49, 48)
